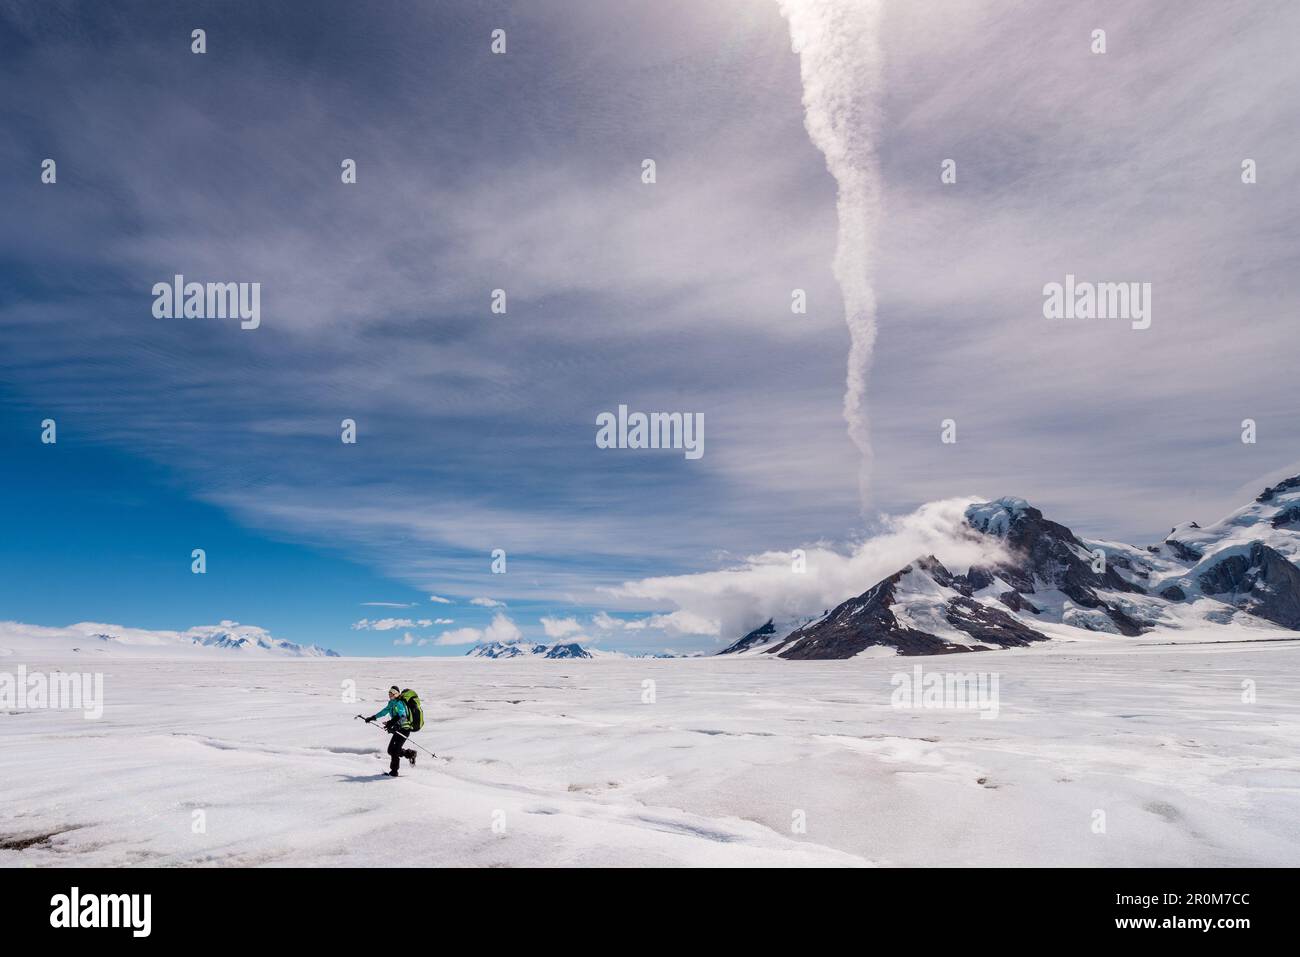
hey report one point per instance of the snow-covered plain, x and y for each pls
(574, 768)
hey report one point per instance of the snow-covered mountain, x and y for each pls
(762, 636)
(261, 642)
(505, 649)
(98, 640)
(522, 649)
(567, 650)
(1240, 571)
(767, 634)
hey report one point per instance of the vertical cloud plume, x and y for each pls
(839, 62)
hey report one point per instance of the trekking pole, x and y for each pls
(421, 747)
(408, 740)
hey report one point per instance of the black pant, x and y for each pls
(395, 750)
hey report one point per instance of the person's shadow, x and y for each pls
(360, 778)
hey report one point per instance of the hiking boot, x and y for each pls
(392, 774)
(410, 756)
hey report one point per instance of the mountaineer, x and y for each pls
(399, 725)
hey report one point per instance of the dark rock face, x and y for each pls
(868, 620)
(760, 635)
(1185, 552)
(1121, 561)
(1287, 518)
(989, 625)
(1260, 582)
(1173, 593)
(1018, 602)
(1284, 486)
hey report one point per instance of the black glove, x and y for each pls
(368, 720)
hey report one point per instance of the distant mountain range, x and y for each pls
(255, 642)
(1240, 572)
(95, 639)
(520, 649)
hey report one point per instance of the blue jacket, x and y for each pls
(397, 708)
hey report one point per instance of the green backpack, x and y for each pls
(414, 709)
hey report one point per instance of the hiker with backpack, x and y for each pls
(404, 716)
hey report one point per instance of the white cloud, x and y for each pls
(559, 627)
(488, 603)
(682, 622)
(732, 601)
(461, 636)
(439, 600)
(501, 629)
(388, 604)
(444, 621)
(406, 639)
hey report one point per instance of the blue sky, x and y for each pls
(522, 172)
